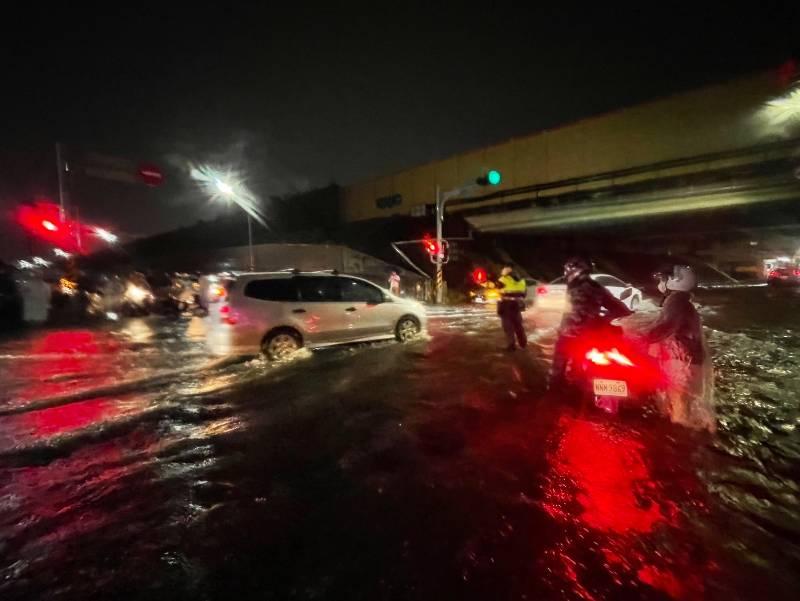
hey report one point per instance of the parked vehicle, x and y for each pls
(488, 294)
(784, 276)
(278, 313)
(553, 296)
(11, 302)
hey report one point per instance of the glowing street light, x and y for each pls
(40, 261)
(61, 253)
(224, 188)
(229, 185)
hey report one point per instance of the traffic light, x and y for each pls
(431, 246)
(435, 251)
(479, 275)
(491, 178)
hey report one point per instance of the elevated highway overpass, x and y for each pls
(712, 149)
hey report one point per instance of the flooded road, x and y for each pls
(135, 465)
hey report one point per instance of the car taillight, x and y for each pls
(541, 290)
(224, 309)
(797, 272)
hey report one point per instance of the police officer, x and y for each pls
(509, 307)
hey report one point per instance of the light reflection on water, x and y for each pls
(282, 455)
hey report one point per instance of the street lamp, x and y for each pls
(228, 185)
(226, 190)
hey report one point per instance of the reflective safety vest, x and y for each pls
(512, 288)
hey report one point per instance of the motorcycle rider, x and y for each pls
(586, 300)
(510, 306)
(678, 334)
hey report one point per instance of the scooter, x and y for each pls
(611, 372)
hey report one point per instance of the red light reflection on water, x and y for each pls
(59, 357)
(69, 341)
(74, 416)
(609, 471)
(601, 481)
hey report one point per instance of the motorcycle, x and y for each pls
(611, 371)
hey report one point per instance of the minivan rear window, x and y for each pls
(274, 289)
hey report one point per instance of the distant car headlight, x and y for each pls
(136, 294)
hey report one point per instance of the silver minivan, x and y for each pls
(278, 313)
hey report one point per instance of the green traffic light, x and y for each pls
(494, 178)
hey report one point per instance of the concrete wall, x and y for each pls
(713, 119)
(309, 257)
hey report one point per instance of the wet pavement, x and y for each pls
(134, 464)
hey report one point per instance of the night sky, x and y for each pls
(302, 96)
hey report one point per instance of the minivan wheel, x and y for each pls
(281, 345)
(407, 329)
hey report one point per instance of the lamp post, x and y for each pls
(227, 183)
(226, 190)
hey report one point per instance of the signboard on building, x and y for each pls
(387, 202)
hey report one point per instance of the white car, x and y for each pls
(553, 296)
(278, 313)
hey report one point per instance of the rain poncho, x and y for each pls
(677, 340)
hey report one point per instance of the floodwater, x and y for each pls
(136, 465)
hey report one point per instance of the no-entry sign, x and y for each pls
(150, 174)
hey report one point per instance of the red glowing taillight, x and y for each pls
(228, 316)
(597, 357)
(607, 357)
(797, 272)
(541, 290)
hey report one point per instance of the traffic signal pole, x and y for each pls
(492, 178)
(439, 282)
(60, 172)
(441, 201)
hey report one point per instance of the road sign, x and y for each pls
(150, 174)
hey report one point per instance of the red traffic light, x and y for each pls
(479, 275)
(432, 246)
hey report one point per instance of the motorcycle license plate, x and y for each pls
(610, 387)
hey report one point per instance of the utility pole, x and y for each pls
(60, 171)
(439, 281)
(250, 242)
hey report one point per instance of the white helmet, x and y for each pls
(683, 279)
